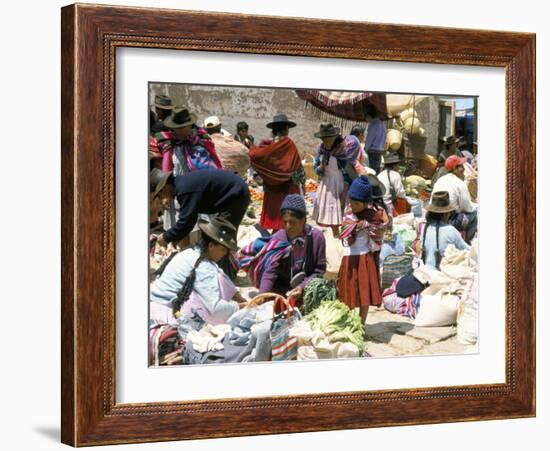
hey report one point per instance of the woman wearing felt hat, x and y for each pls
(436, 234)
(193, 286)
(184, 146)
(335, 155)
(277, 163)
(364, 226)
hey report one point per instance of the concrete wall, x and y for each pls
(428, 113)
(257, 106)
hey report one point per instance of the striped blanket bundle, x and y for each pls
(259, 254)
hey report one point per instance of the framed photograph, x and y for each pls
(284, 273)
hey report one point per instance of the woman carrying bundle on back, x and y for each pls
(337, 157)
(362, 234)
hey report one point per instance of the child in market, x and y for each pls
(362, 235)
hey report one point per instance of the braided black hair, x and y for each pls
(187, 287)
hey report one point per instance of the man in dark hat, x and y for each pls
(278, 165)
(205, 192)
(395, 197)
(163, 108)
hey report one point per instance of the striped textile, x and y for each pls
(198, 150)
(158, 333)
(346, 148)
(374, 219)
(408, 306)
(345, 105)
(258, 255)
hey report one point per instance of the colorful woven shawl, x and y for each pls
(347, 149)
(373, 220)
(198, 150)
(276, 162)
(259, 254)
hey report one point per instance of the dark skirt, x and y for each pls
(359, 280)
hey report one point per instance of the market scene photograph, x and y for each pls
(299, 224)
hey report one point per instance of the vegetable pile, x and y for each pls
(338, 323)
(316, 291)
(255, 194)
(415, 186)
(311, 185)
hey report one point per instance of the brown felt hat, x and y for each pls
(281, 119)
(158, 180)
(221, 231)
(392, 158)
(451, 140)
(378, 188)
(163, 102)
(326, 131)
(180, 118)
(440, 203)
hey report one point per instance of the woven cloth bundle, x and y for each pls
(232, 154)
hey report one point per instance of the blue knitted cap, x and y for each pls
(294, 202)
(360, 189)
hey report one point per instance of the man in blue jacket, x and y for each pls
(200, 192)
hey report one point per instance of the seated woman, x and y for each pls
(437, 234)
(306, 253)
(193, 286)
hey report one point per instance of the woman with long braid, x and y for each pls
(436, 234)
(192, 286)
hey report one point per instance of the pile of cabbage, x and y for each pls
(338, 323)
(414, 185)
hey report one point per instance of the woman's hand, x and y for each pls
(238, 297)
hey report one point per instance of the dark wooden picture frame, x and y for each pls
(90, 37)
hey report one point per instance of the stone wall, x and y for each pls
(257, 106)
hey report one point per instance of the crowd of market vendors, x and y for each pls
(200, 192)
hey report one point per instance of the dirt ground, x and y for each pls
(387, 334)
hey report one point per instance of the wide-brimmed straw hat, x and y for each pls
(326, 131)
(180, 117)
(281, 119)
(163, 102)
(440, 203)
(220, 230)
